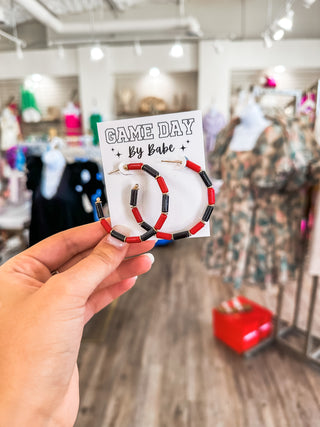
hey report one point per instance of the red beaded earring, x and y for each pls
(150, 231)
(208, 211)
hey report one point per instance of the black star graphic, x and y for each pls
(182, 147)
(118, 154)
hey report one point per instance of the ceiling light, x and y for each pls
(19, 51)
(36, 78)
(96, 53)
(2, 16)
(154, 72)
(176, 50)
(308, 3)
(217, 46)
(278, 34)
(137, 48)
(286, 21)
(61, 51)
(279, 69)
(267, 40)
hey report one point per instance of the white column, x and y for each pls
(96, 85)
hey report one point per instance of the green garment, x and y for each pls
(94, 119)
(28, 100)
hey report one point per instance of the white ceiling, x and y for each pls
(219, 19)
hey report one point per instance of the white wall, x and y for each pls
(96, 80)
(38, 61)
(215, 69)
(96, 85)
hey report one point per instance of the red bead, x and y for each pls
(160, 221)
(133, 239)
(193, 166)
(165, 236)
(162, 184)
(196, 228)
(137, 215)
(134, 166)
(211, 196)
(106, 225)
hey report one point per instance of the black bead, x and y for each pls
(117, 235)
(148, 234)
(150, 170)
(146, 226)
(99, 210)
(180, 235)
(134, 197)
(165, 203)
(207, 213)
(205, 178)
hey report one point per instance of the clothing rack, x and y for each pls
(307, 346)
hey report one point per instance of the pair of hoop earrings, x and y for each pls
(155, 230)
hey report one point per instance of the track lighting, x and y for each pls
(154, 72)
(176, 50)
(279, 69)
(61, 51)
(308, 3)
(286, 21)
(137, 48)
(19, 51)
(278, 34)
(267, 40)
(96, 53)
(218, 47)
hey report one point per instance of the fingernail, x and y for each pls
(151, 257)
(116, 242)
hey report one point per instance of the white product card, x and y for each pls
(150, 140)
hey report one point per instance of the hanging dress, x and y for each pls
(258, 210)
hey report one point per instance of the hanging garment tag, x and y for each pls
(151, 140)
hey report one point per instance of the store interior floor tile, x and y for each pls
(150, 359)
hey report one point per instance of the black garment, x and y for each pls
(65, 209)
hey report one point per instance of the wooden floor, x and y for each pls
(149, 360)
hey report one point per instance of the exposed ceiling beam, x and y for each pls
(41, 14)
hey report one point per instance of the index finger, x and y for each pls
(61, 247)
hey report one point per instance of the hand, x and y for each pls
(42, 317)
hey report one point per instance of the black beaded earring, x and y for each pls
(150, 231)
(208, 211)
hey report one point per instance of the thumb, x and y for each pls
(81, 279)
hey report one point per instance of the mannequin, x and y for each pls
(252, 124)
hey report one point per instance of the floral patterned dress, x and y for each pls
(256, 226)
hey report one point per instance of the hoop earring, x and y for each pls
(150, 231)
(208, 211)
